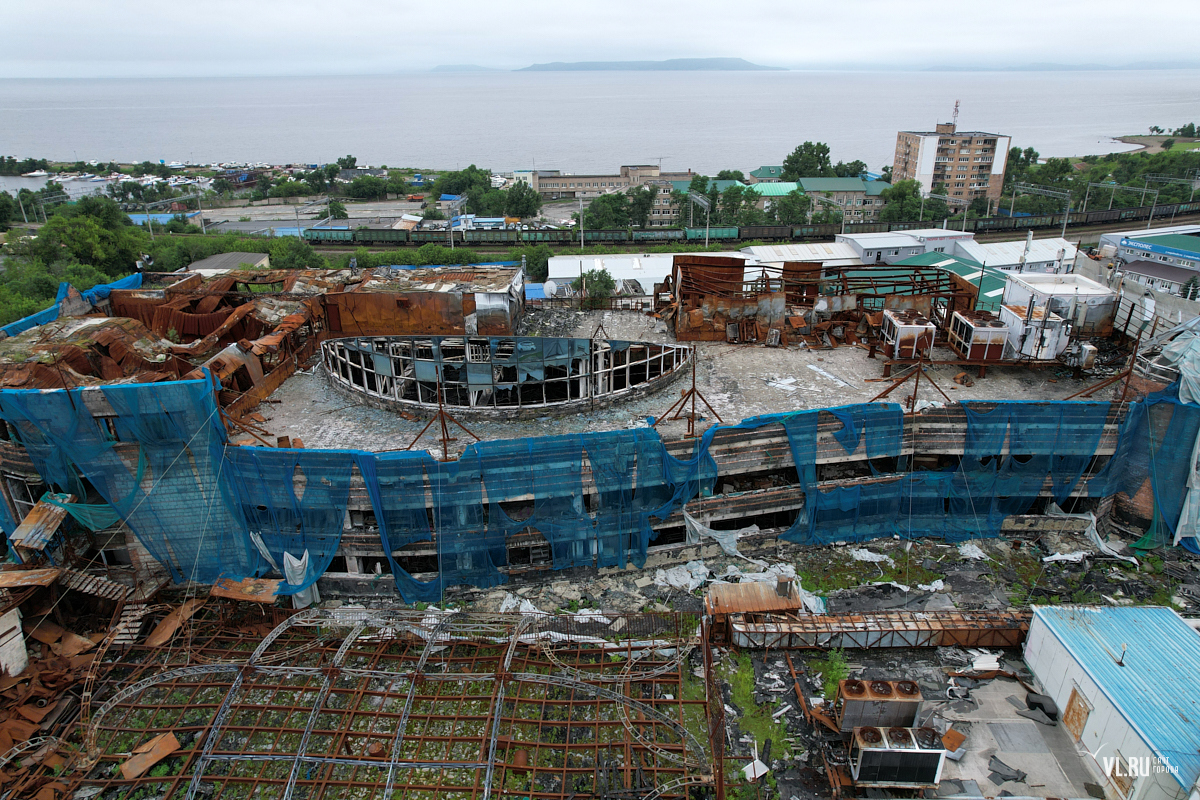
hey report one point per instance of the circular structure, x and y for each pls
(500, 376)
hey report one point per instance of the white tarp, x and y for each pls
(696, 531)
(1183, 354)
(971, 550)
(863, 554)
(687, 578)
(296, 572)
(1093, 535)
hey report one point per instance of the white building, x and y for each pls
(1124, 681)
(1032, 255)
(829, 254)
(647, 270)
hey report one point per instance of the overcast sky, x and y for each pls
(117, 38)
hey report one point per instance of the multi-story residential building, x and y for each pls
(860, 200)
(966, 164)
(554, 185)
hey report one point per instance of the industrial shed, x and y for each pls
(1124, 682)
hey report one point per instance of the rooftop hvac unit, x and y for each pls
(906, 333)
(896, 757)
(877, 703)
(1038, 334)
(978, 335)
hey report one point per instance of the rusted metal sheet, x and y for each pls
(172, 622)
(253, 590)
(756, 597)
(40, 524)
(376, 314)
(17, 578)
(149, 754)
(893, 629)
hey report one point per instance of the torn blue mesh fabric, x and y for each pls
(294, 501)
(93, 516)
(395, 484)
(166, 480)
(470, 551)
(622, 533)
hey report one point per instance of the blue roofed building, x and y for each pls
(1124, 680)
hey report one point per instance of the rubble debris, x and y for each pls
(1000, 773)
(148, 754)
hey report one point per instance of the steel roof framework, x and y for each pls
(403, 704)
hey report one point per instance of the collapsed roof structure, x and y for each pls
(136, 453)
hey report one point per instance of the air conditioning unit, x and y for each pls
(896, 757)
(978, 335)
(876, 703)
(906, 333)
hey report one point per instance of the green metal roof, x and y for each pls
(991, 292)
(1177, 241)
(871, 188)
(776, 189)
(767, 172)
(682, 186)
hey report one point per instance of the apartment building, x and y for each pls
(859, 200)
(967, 164)
(555, 185)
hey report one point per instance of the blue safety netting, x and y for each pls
(97, 292)
(1155, 449)
(206, 510)
(293, 502)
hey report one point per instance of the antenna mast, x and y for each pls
(955, 120)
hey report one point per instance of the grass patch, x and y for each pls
(828, 570)
(833, 668)
(756, 719)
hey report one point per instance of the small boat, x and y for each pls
(37, 173)
(98, 179)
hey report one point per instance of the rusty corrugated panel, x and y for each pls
(41, 523)
(17, 578)
(745, 598)
(253, 590)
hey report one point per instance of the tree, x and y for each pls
(537, 260)
(367, 187)
(608, 211)
(1167, 144)
(347, 162)
(596, 284)
(331, 172)
(337, 210)
(522, 201)
(1187, 131)
(792, 208)
(978, 207)
(809, 160)
(641, 203)
(220, 186)
(290, 188)
(887, 173)
(827, 216)
(292, 252)
(851, 170)
(8, 210)
(902, 203)
(731, 175)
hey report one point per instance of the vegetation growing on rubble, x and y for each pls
(755, 719)
(833, 668)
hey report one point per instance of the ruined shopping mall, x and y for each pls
(402, 532)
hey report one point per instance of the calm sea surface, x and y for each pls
(576, 122)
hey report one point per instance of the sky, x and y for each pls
(118, 38)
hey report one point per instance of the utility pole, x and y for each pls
(581, 227)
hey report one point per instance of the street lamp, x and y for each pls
(454, 206)
(1032, 188)
(706, 204)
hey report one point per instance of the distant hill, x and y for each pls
(670, 65)
(462, 68)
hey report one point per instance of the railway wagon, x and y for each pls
(380, 236)
(657, 234)
(714, 233)
(765, 233)
(560, 236)
(492, 237)
(434, 237)
(314, 235)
